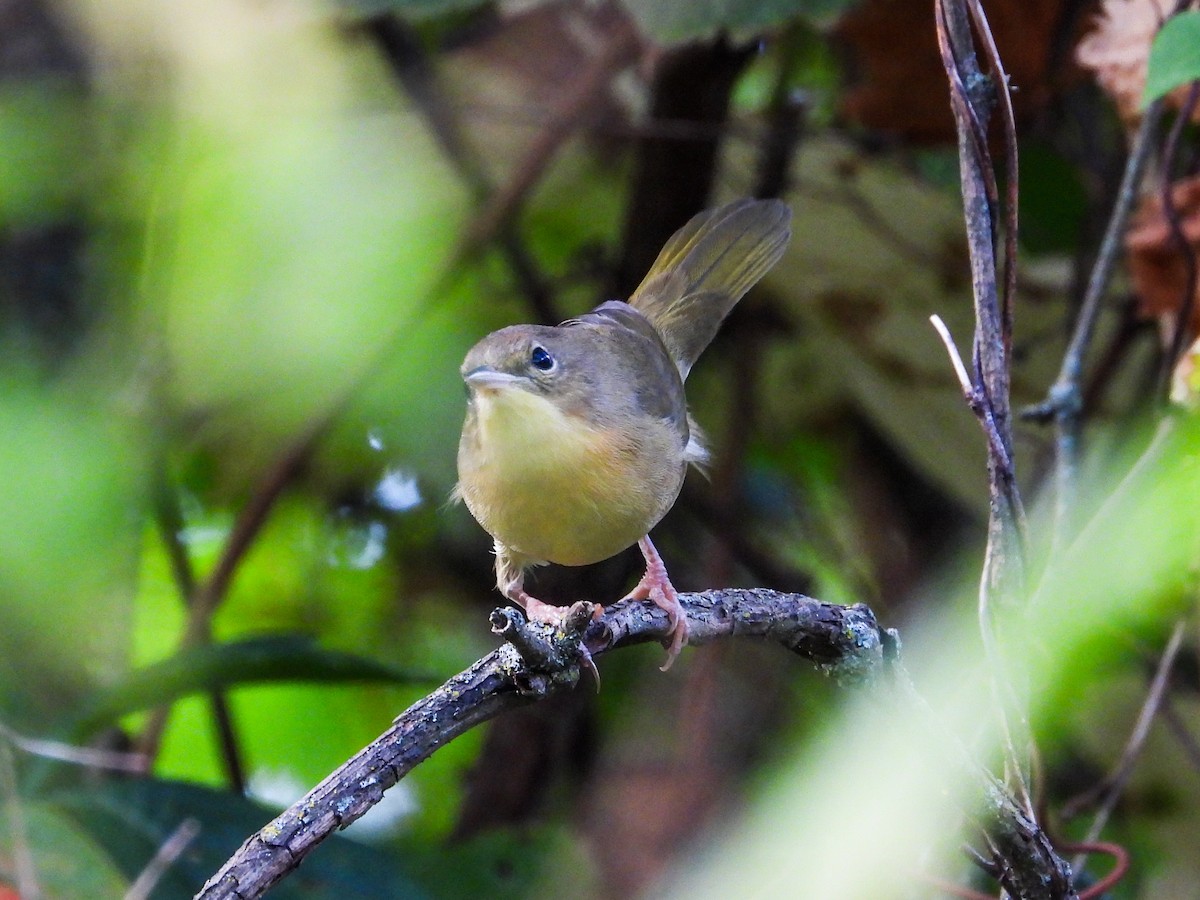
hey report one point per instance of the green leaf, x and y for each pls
(671, 23)
(132, 819)
(1174, 56)
(256, 660)
(67, 861)
(1053, 200)
(506, 864)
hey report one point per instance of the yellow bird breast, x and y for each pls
(555, 488)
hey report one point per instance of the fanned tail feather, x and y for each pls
(706, 268)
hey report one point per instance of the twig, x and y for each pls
(112, 760)
(842, 640)
(170, 525)
(1064, 401)
(1183, 316)
(969, 99)
(1009, 124)
(211, 593)
(956, 360)
(972, 99)
(974, 399)
(26, 871)
(1120, 865)
(415, 72)
(1114, 785)
(620, 49)
(1187, 741)
(167, 853)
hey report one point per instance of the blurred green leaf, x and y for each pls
(1053, 200)
(43, 164)
(673, 23)
(1174, 56)
(255, 661)
(71, 496)
(68, 861)
(132, 819)
(507, 864)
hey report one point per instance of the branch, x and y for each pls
(206, 597)
(1183, 318)
(973, 97)
(1064, 402)
(843, 641)
(1022, 858)
(1110, 789)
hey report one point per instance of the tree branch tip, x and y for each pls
(890, 641)
(536, 656)
(1040, 413)
(956, 360)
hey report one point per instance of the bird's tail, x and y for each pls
(705, 269)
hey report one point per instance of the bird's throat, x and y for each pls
(520, 431)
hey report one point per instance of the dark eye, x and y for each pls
(541, 359)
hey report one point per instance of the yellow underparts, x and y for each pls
(553, 487)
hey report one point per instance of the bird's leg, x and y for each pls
(510, 580)
(656, 586)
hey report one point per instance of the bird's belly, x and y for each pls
(552, 487)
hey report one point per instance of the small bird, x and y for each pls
(577, 436)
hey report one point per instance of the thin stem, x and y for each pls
(960, 369)
(209, 595)
(1183, 317)
(170, 526)
(1011, 218)
(170, 850)
(1064, 402)
(1137, 738)
(1179, 728)
(972, 98)
(93, 757)
(26, 871)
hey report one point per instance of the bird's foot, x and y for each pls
(563, 618)
(656, 587)
(548, 613)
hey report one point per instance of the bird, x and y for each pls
(577, 436)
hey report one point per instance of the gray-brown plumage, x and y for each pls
(577, 436)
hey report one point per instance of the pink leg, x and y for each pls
(536, 610)
(656, 586)
(510, 579)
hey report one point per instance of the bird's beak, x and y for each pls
(486, 378)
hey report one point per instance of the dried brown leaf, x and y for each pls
(1157, 266)
(1117, 50)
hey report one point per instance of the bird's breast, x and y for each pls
(554, 486)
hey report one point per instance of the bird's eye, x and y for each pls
(541, 359)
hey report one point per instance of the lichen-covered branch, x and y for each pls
(844, 641)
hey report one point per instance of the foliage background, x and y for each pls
(244, 247)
